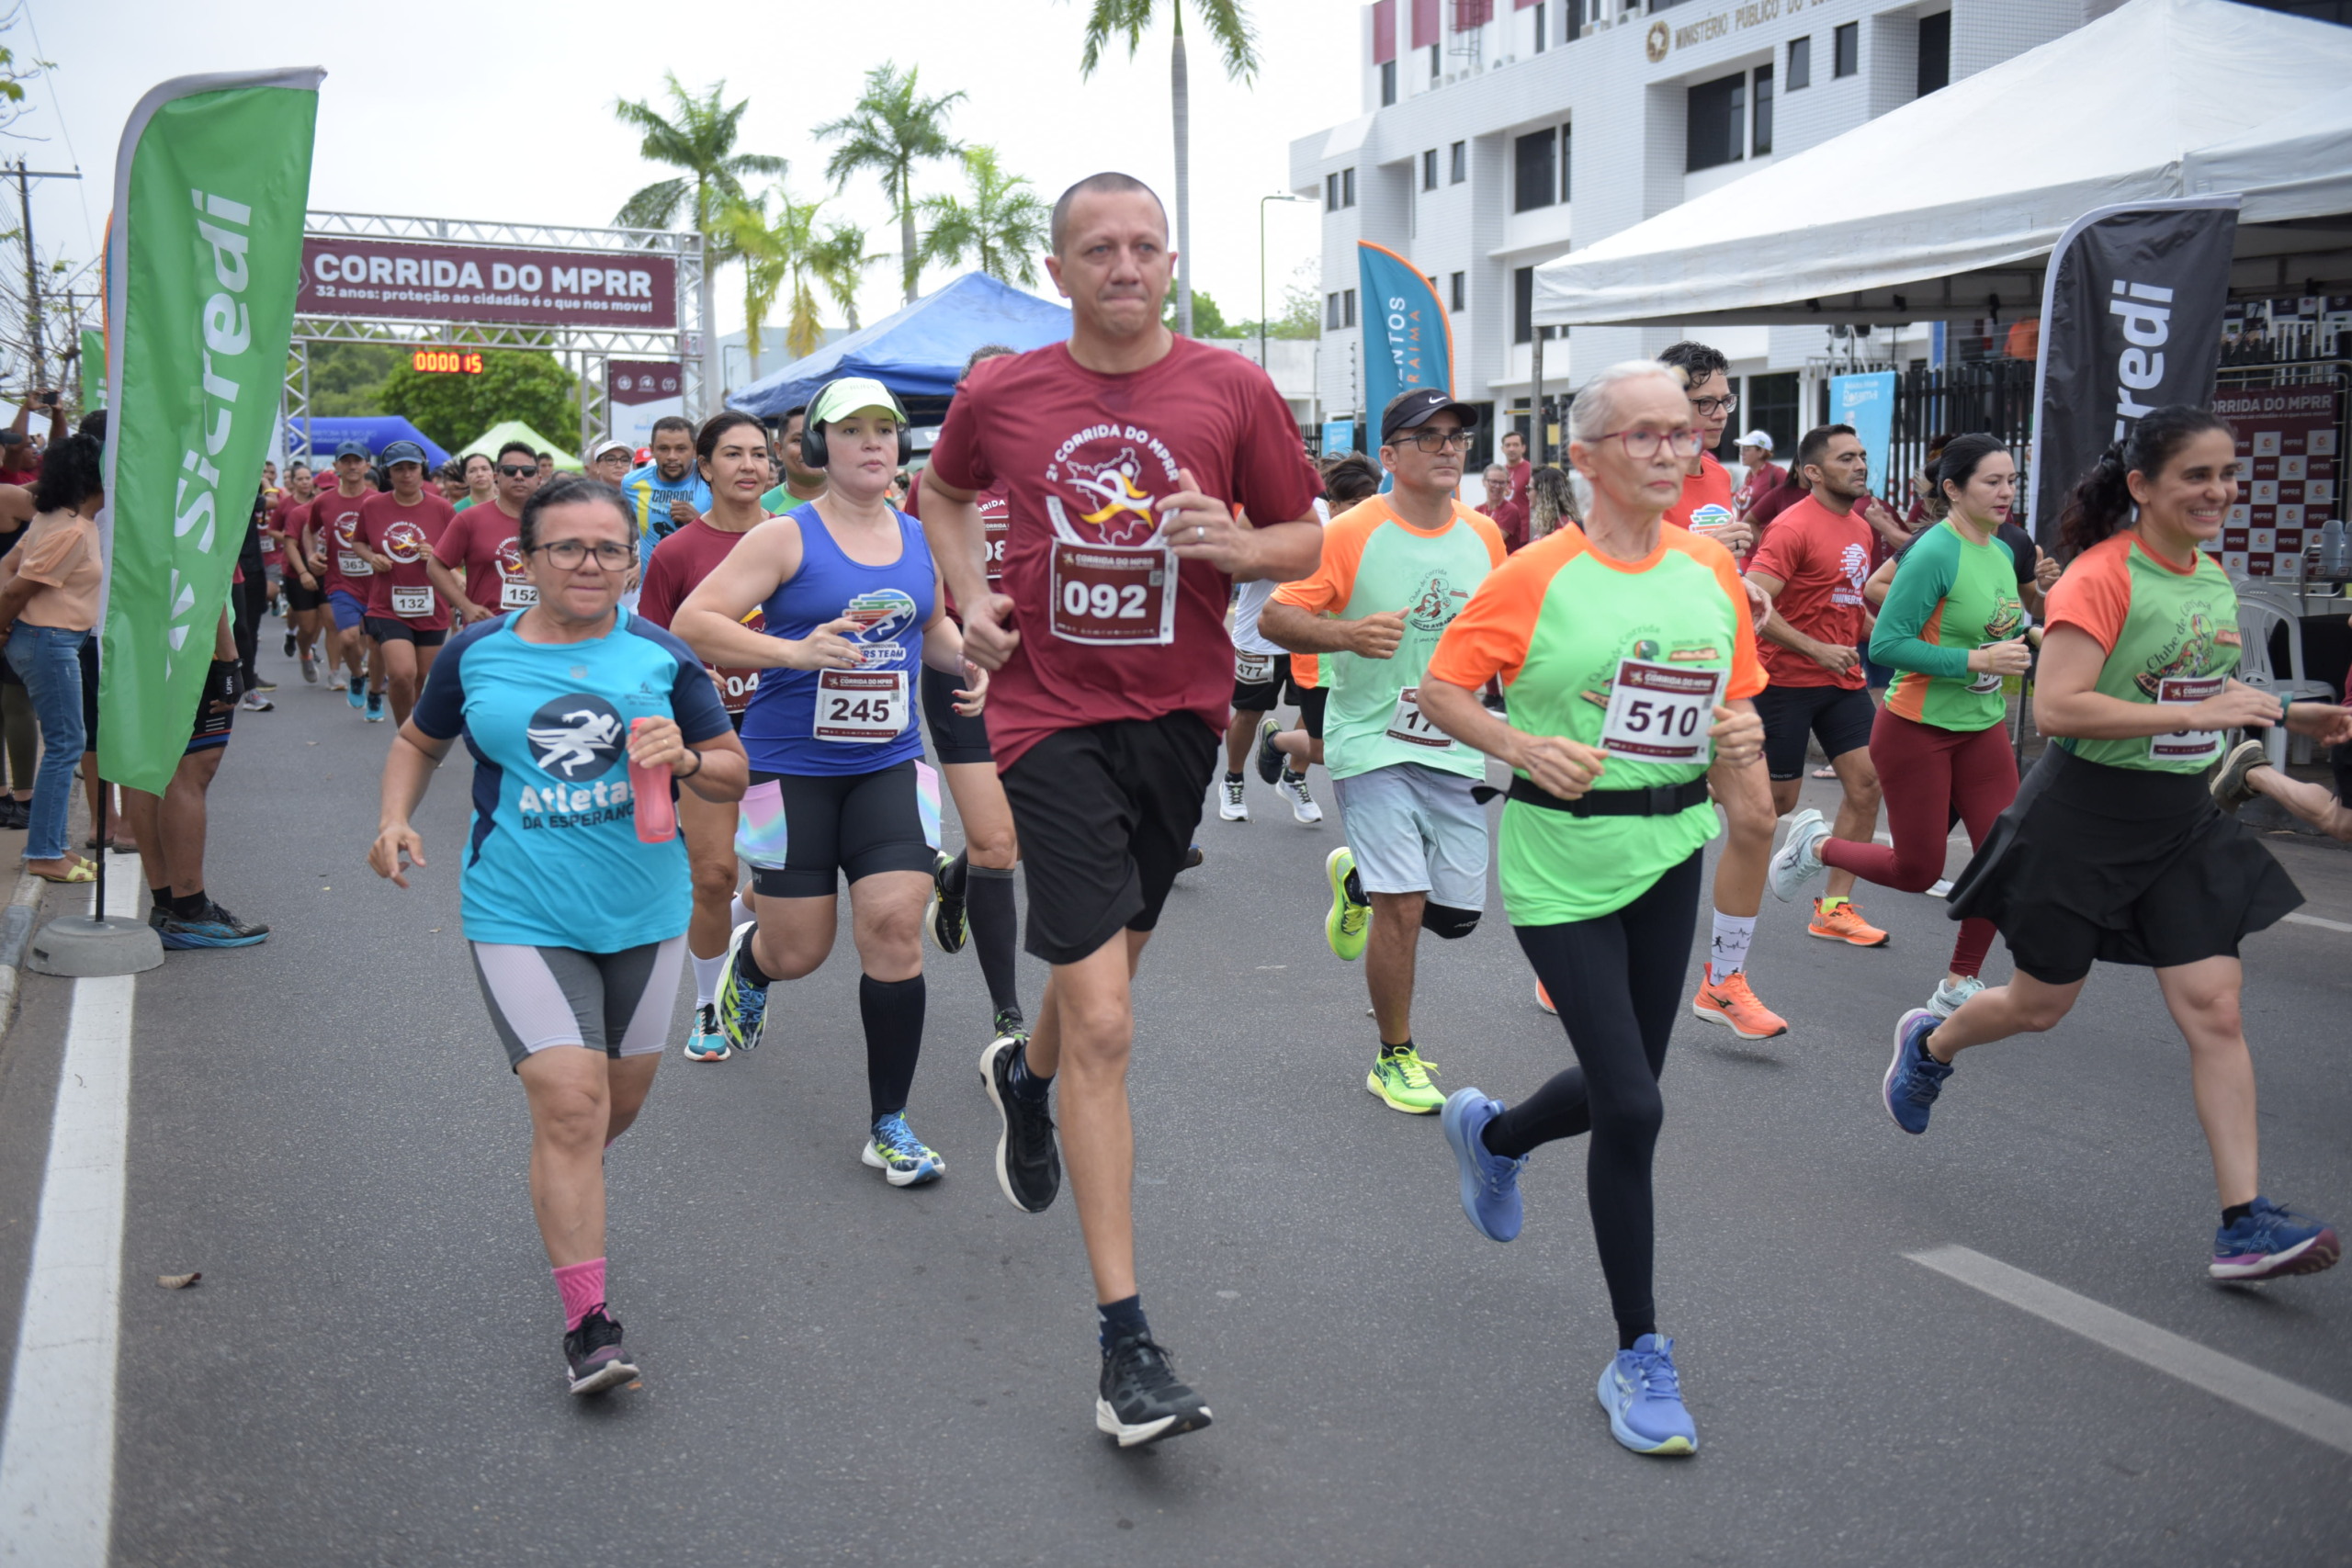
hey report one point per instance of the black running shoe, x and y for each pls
(289, 645)
(214, 912)
(1140, 1399)
(1028, 1166)
(593, 1357)
(948, 926)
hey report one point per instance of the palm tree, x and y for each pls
(764, 247)
(890, 129)
(699, 140)
(1228, 24)
(1002, 229)
(839, 262)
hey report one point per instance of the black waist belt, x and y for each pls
(1658, 800)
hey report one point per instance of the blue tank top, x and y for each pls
(846, 721)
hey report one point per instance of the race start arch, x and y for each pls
(603, 301)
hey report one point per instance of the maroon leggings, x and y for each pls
(1927, 778)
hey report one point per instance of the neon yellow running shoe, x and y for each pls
(1345, 928)
(1401, 1078)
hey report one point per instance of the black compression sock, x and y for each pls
(892, 1011)
(1120, 1320)
(2235, 1212)
(1628, 1333)
(747, 966)
(988, 903)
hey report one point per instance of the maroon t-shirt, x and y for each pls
(488, 545)
(408, 533)
(994, 518)
(680, 563)
(1823, 559)
(333, 517)
(1084, 458)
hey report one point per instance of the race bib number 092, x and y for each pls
(1660, 713)
(1107, 595)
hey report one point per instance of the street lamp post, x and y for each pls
(1277, 195)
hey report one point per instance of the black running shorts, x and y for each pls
(954, 738)
(392, 628)
(1105, 813)
(1840, 715)
(302, 598)
(844, 826)
(1260, 696)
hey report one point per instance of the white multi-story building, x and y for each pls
(1498, 133)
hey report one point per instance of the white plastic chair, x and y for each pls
(2261, 609)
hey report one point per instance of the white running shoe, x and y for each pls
(1948, 997)
(1292, 786)
(1941, 888)
(1229, 805)
(1798, 860)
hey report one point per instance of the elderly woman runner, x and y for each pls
(576, 926)
(1627, 654)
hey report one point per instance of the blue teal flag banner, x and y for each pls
(1866, 401)
(1407, 342)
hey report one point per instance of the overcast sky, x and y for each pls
(502, 109)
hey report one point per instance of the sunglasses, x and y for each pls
(516, 470)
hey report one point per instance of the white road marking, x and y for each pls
(2296, 1408)
(57, 1448)
(2303, 919)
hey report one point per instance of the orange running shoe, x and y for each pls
(1844, 923)
(1730, 1003)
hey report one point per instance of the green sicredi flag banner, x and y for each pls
(203, 257)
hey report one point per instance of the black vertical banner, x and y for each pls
(2131, 322)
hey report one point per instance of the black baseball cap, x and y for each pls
(1410, 411)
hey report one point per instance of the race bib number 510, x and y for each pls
(1660, 713)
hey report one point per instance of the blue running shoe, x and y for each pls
(2271, 1242)
(1489, 1182)
(1913, 1079)
(1644, 1398)
(356, 690)
(742, 1007)
(904, 1159)
(214, 927)
(709, 1042)
(375, 707)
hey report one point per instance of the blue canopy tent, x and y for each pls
(916, 351)
(379, 432)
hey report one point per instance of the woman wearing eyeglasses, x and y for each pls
(850, 599)
(577, 925)
(1627, 652)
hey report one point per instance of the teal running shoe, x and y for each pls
(709, 1042)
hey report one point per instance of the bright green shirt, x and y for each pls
(2171, 636)
(1373, 562)
(1563, 625)
(1949, 595)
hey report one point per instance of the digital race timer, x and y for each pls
(449, 360)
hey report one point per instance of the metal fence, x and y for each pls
(1994, 396)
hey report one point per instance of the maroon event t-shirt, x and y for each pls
(680, 563)
(335, 517)
(1824, 560)
(407, 533)
(488, 545)
(1084, 458)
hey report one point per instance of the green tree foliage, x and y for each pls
(453, 409)
(1004, 229)
(1109, 21)
(1208, 321)
(890, 129)
(347, 378)
(697, 137)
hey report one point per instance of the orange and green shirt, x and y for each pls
(2171, 636)
(1950, 597)
(1560, 623)
(1373, 562)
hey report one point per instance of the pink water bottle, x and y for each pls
(657, 814)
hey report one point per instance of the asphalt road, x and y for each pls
(838, 1371)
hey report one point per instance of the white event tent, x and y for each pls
(1948, 206)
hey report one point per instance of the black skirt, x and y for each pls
(2123, 865)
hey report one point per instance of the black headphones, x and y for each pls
(813, 436)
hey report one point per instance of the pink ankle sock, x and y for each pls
(582, 1288)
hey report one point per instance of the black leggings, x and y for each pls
(1619, 982)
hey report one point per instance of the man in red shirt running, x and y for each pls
(486, 542)
(1130, 456)
(732, 454)
(1814, 563)
(1743, 793)
(328, 542)
(407, 620)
